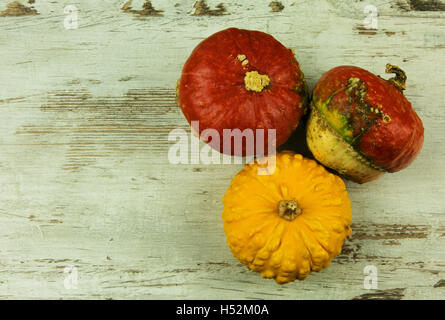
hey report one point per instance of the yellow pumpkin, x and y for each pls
(288, 223)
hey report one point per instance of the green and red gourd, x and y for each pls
(362, 125)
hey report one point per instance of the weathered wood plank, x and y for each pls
(84, 170)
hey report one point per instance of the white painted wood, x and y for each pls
(85, 179)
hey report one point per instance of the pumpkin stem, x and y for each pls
(256, 82)
(288, 209)
(400, 79)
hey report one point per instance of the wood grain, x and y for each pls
(84, 170)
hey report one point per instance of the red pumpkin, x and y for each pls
(242, 79)
(362, 125)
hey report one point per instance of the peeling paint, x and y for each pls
(16, 9)
(389, 294)
(439, 284)
(202, 9)
(147, 9)
(423, 5)
(276, 6)
(390, 231)
(100, 132)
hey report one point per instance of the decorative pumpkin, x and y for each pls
(288, 223)
(362, 125)
(242, 79)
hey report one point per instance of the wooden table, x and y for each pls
(87, 188)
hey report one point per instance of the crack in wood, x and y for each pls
(48, 260)
(421, 5)
(389, 231)
(388, 294)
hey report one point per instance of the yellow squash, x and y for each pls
(288, 223)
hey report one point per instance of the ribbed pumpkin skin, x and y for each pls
(212, 87)
(277, 248)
